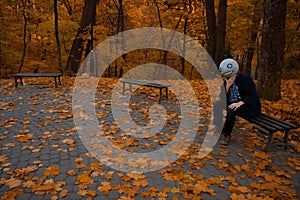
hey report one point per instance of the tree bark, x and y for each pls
(272, 49)
(252, 45)
(165, 53)
(211, 28)
(24, 35)
(121, 27)
(74, 60)
(221, 32)
(216, 31)
(57, 36)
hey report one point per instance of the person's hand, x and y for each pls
(235, 106)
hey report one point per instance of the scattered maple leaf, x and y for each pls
(141, 183)
(54, 198)
(109, 175)
(78, 160)
(37, 162)
(4, 159)
(92, 193)
(12, 194)
(24, 138)
(12, 182)
(28, 184)
(175, 190)
(68, 141)
(85, 178)
(71, 172)
(235, 196)
(82, 192)
(63, 193)
(53, 170)
(105, 188)
(80, 166)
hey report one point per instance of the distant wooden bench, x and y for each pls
(19, 76)
(268, 125)
(160, 86)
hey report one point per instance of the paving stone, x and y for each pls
(25, 196)
(33, 106)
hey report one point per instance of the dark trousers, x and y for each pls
(231, 118)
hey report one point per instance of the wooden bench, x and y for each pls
(19, 76)
(268, 125)
(160, 86)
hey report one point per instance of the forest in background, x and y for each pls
(28, 42)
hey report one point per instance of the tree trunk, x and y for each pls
(74, 60)
(68, 7)
(184, 47)
(216, 32)
(272, 49)
(57, 36)
(24, 35)
(211, 27)
(165, 53)
(257, 16)
(121, 25)
(221, 32)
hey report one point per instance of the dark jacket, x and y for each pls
(248, 94)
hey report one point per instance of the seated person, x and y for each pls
(241, 95)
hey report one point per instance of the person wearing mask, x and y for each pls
(241, 95)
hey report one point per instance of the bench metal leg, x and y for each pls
(160, 93)
(16, 82)
(55, 82)
(123, 89)
(59, 82)
(167, 93)
(286, 139)
(268, 142)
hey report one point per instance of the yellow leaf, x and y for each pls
(175, 190)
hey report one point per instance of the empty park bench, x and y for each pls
(19, 76)
(268, 125)
(160, 86)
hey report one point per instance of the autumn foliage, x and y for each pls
(242, 171)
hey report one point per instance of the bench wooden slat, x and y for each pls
(262, 124)
(136, 82)
(268, 125)
(37, 75)
(149, 84)
(279, 120)
(52, 75)
(274, 121)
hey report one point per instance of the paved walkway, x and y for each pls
(42, 157)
